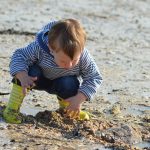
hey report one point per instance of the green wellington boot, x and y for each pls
(11, 112)
(83, 114)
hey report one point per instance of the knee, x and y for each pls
(69, 83)
(67, 86)
(35, 71)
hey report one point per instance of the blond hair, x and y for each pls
(69, 34)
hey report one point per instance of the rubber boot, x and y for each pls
(12, 110)
(63, 104)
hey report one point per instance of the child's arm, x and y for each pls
(23, 58)
(75, 102)
(26, 81)
(90, 74)
(20, 62)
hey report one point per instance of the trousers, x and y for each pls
(63, 87)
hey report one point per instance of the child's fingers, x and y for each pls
(34, 78)
(77, 113)
(32, 86)
(72, 114)
(67, 112)
(24, 90)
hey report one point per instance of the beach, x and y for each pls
(118, 38)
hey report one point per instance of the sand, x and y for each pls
(118, 37)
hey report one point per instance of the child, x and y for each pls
(54, 62)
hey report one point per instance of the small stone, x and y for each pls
(116, 109)
(12, 140)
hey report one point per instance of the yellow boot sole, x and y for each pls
(11, 117)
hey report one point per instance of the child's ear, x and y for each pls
(50, 48)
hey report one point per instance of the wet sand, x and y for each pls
(118, 38)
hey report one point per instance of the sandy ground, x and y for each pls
(119, 40)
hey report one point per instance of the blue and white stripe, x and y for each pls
(33, 53)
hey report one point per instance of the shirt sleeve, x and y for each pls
(90, 74)
(23, 58)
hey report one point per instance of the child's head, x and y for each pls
(66, 40)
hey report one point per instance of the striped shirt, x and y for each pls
(86, 68)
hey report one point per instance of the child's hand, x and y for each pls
(73, 109)
(26, 81)
(75, 102)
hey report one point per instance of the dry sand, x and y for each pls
(119, 40)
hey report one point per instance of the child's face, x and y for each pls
(64, 61)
